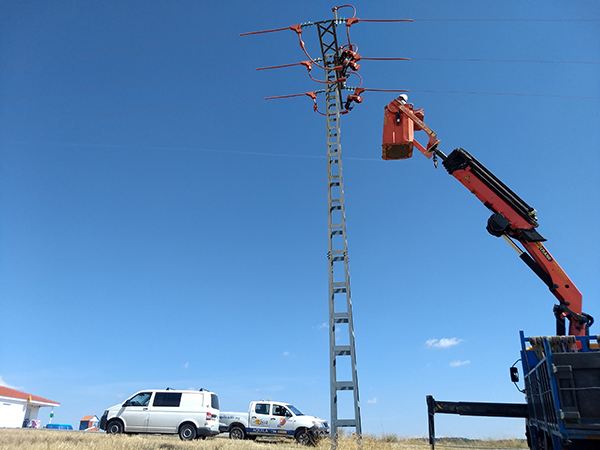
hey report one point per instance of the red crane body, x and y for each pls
(512, 218)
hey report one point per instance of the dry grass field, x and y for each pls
(30, 439)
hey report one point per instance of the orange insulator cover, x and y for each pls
(399, 131)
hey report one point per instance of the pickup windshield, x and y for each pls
(295, 410)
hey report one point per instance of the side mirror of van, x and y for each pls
(126, 404)
(288, 414)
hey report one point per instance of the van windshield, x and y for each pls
(141, 399)
(295, 410)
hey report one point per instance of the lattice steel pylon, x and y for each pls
(339, 63)
(341, 347)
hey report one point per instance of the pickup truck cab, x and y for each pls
(267, 418)
(188, 413)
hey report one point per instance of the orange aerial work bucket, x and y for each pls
(399, 131)
(400, 122)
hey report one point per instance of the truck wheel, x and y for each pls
(237, 433)
(114, 427)
(303, 437)
(187, 432)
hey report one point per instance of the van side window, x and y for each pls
(142, 399)
(167, 399)
(262, 408)
(214, 401)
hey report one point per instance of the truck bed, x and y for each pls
(562, 381)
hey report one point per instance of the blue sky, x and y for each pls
(163, 225)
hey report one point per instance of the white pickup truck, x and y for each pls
(267, 418)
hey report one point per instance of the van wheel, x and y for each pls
(304, 438)
(187, 432)
(237, 433)
(114, 427)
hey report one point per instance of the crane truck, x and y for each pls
(561, 372)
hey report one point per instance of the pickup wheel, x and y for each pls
(303, 437)
(187, 432)
(114, 427)
(237, 433)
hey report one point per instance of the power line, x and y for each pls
(114, 113)
(509, 94)
(505, 60)
(165, 108)
(195, 149)
(110, 52)
(506, 20)
(133, 83)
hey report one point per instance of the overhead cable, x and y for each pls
(66, 58)
(165, 108)
(133, 83)
(110, 52)
(506, 20)
(509, 94)
(114, 113)
(505, 60)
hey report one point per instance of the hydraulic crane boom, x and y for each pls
(511, 218)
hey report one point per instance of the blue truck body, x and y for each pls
(562, 386)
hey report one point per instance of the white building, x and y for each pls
(17, 406)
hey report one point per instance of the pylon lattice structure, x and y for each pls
(341, 347)
(339, 63)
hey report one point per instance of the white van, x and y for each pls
(191, 414)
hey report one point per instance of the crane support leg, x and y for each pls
(472, 409)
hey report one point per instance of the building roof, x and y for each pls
(88, 418)
(36, 399)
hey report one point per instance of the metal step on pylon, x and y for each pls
(344, 385)
(342, 350)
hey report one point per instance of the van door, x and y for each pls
(164, 412)
(135, 412)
